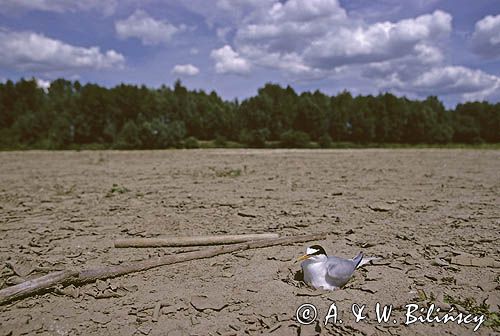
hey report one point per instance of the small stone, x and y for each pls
(245, 214)
(227, 274)
(71, 290)
(487, 286)
(169, 310)
(493, 301)
(436, 243)
(100, 318)
(370, 287)
(465, 260)
(380, 207)
(145, 330)
(202, 302)
(101, 285)
(14, 280)
(440, 302)
(440, 262)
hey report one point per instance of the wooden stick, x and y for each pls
(89, 275)
(28, 287)
(193, 241)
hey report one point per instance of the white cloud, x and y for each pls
(229, 61)
(146, 28)
(290, 27)
(438, 79)
(317, 38)
(454, 80)
(306, 11)
(106, 6)
(486, 36)
(428, 54)
(405, 68)
(33, 51)
(378, 42)
(185, 69)
(225, 12)
(43, 84)
(276, 36)
(383, 9)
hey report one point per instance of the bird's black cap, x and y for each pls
(319, 250)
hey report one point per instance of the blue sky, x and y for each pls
(416, 48)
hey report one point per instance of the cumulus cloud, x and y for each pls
(453, 80)
(405, 68)
(310, 39)
(378, 42)
(43, 84)
(229, 61)
(440, 80)
(185, 69)
(106, 6)
(486, 36)
(146, 28)
(306, 11)
(36, 52)
(318, 39)
(290, 27)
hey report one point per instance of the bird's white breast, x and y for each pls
(315, 275)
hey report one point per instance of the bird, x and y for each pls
(328, 272)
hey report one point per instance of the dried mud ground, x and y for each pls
(431, 215)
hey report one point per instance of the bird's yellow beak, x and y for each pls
(304, 257)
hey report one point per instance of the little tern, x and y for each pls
(328, 272)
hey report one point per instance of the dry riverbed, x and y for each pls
(431, 215)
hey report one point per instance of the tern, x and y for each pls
(328, 272)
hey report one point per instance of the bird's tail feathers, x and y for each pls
(358, 259)
(365, 261)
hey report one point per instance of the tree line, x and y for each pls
(69, 115)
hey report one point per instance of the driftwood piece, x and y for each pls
(193, 241)
(67, 277)
(44, 282)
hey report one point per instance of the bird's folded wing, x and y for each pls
(341, 270)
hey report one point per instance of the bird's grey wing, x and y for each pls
(340, 270)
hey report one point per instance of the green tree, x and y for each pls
(340, 108)
(130, 116)
(128, 138)
(311, 119)
(361, 121)
(254, 138)
(294, 139)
